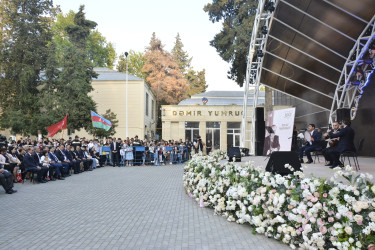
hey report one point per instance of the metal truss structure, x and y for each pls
(354, 77)
(330, 77)
(259, 36)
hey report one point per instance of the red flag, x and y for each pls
(52, 130)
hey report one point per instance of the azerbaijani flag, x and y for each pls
(100, 122)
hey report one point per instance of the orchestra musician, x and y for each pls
(311, 144)
(332, 142)
(346, 143)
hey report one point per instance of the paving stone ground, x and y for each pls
(118, 208)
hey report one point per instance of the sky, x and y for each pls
(129, 24)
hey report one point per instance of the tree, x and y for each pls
(163, 74)
(69, 88)
(232, 42)
(23, 57)
(99, 132)
(181, 57)
(197, 81)
(100, 52)
(136, 63)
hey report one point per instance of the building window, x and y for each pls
(152, 109)
(213, 134)
(146, 104)
(191, 130)
(233, 134)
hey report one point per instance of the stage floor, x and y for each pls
(366, 164)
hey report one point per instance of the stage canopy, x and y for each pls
(308, 44)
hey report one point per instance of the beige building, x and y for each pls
(219, 120)
(110, 93)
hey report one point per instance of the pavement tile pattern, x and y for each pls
(118, 208)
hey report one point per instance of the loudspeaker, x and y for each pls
(260, 127)
(277, 161)
(343, 114)
(234, 154)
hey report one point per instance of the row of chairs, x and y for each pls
(343, 156)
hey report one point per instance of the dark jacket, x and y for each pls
(118, 147)
(29, 162)
(346, 139)
(60, 155)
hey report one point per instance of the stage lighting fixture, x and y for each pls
(356, 83)
(264, 30)
(260, 53)
(271, 7)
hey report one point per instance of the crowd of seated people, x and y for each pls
(47, 160)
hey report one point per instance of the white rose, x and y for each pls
(358, 218)
(358, 244)
(351, 240)
(348, 230)
(373, 189)
(372, 216)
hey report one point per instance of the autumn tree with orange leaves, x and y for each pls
(163, 74)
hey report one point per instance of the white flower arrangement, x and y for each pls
(306, 213)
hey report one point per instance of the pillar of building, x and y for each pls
(223, 136)
(166, 129)
(181, 131)
(202, 131)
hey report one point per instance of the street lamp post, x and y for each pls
(126, 56)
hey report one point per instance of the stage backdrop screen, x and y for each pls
(279, 130)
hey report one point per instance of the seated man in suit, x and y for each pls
(72, 158)
(346, 143)
(6, 178)
(64, 159)
(56, 163)
(331, 143)
(313, 144)
(32, 166)
(81, 157)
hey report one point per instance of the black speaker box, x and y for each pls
(277, 161)
(343, 114)
(234, 154)
(260, 127)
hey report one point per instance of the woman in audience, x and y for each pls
(129, 154)
(12, 162)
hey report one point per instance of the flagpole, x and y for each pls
(126, 55)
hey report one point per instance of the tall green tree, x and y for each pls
(136, 63)
(181, 57)
(101, 133)
(69, 88)
(196, 81)
(100, 52)
(23, 57)
(232, 42)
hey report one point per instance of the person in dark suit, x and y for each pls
(115, 151)
(333, 142)
(56, 164)
(313, 144)
(64, 159)
(346, 143)
(81, 157)
(72, 158)
(32, 166)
